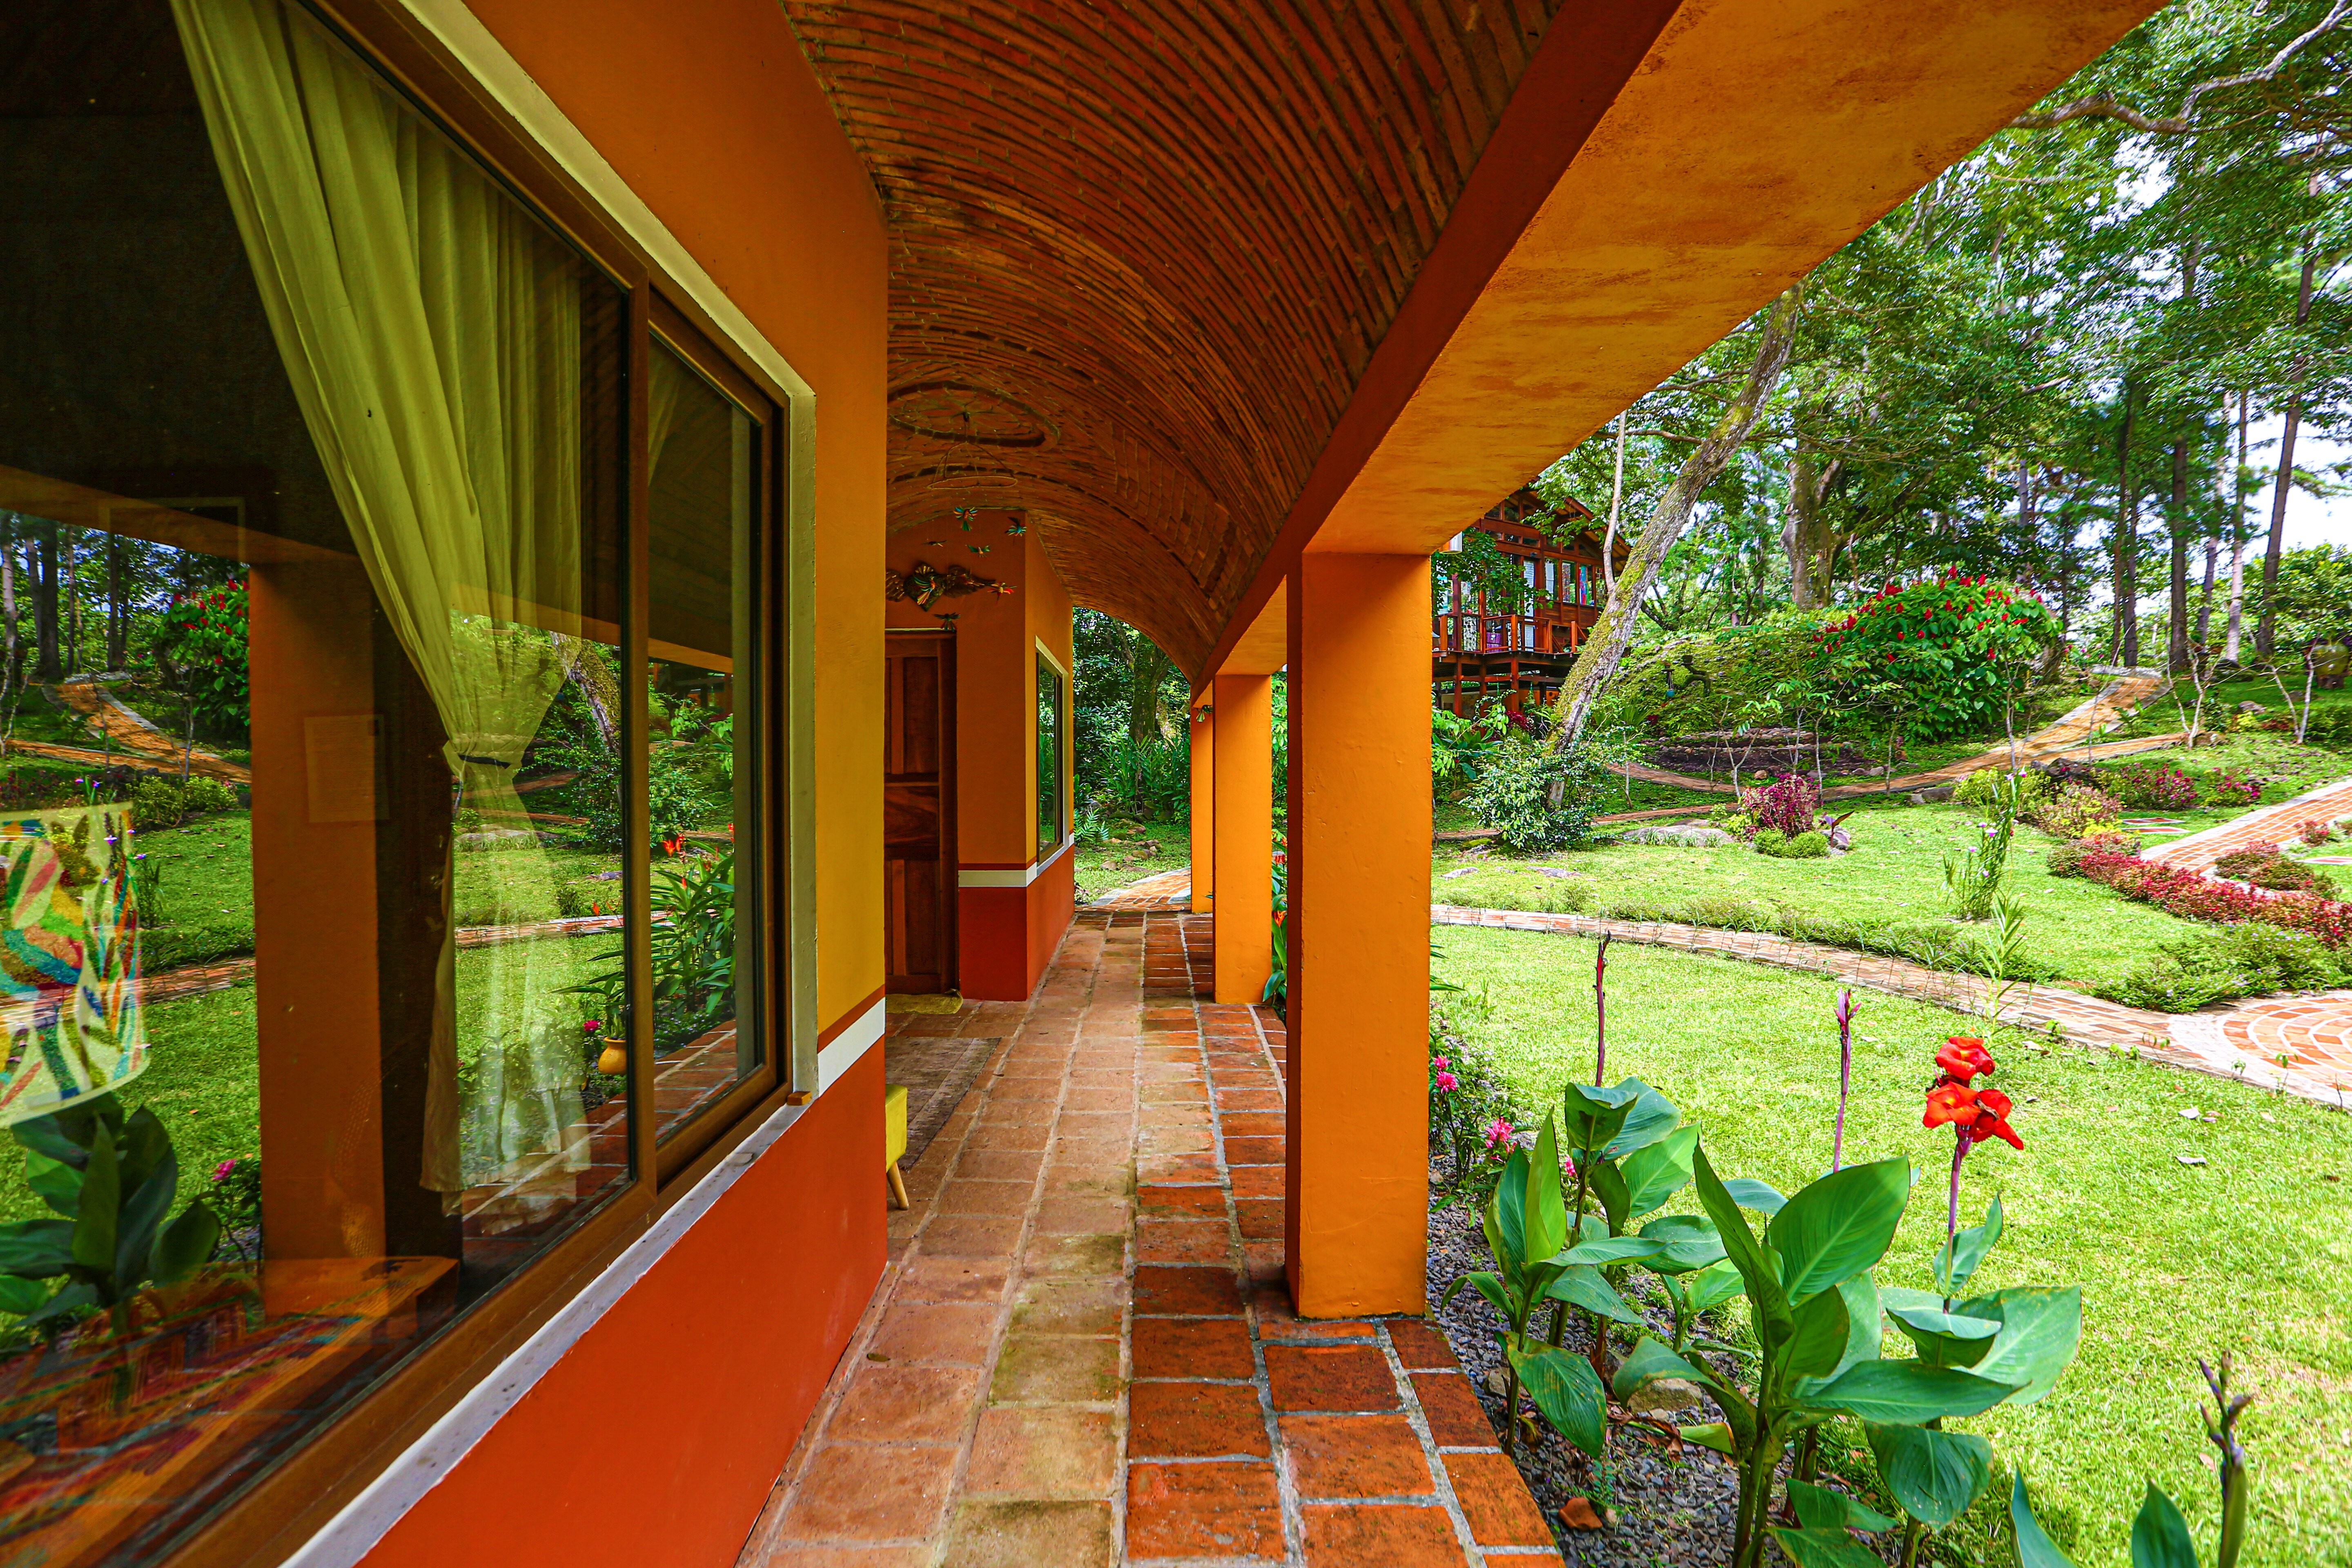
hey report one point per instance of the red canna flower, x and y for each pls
(1950, 1102)
(1992, 1120)
(1962, 1057)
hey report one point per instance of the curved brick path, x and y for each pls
(133, 738)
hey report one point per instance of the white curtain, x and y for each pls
(432, 332)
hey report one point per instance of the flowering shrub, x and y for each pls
(1472, 1120)
(2264, 866)
(202, 641)
(2066, 771)
(2065, 859)
(1944, 641)
(1787, 806)
(2077, 813)
(2233, 788)
(2193, 897)
(2315, 832)
(2155, 789)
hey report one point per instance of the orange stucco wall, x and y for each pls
(1005, 935)
(655, 1438)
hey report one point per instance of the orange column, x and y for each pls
(1203, 726)
(1359, 932)
(1243, 764)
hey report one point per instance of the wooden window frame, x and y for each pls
(278, 1511)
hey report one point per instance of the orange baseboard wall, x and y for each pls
(656, 1439)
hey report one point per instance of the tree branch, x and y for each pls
(2103, 106)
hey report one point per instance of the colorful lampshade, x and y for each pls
(69, 992)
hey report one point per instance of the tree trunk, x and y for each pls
(2205, 593)
(1147, 669)
(2266, 630)
(2177, 525)
(2233, 650)
(118, 603)
(2127, 545)
(1605, 645)
(1808, 541)
(73, 600)
(45, 600)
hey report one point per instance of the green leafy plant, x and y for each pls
(1539, 794)
(158, 803)
(112, 1180)
(2077, 812)
(693, 952)
(1973, 876)
(2160, 1536)
(2251, 960)
(1812, 846)
(1946, 648)
(201, 640)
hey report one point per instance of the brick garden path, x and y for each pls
(1082, 1353)
(134, 738)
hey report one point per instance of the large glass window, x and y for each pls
(317, 717)
(1051, 706)
(701, 758)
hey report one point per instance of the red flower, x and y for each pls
(1950, 1103)
(1992, 1120)
(1962, 1057)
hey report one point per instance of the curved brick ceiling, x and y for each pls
(1142, 253)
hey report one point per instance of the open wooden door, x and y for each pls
(919, 847)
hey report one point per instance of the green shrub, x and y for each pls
(157, 803)
(1812, 846)
(1769, 841)
(2250, 960)
(1514, 793)
(2077, 812)
(1976, 792)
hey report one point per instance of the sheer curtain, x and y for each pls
(432, 332)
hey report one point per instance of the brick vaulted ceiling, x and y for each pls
(1143, 252)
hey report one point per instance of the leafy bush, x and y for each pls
(1789, 805)
(1949, 647)
(202, 643)
(1513, 793)
(2193, 897)
(1809, 846)
(2065, 771)
(2252, 960)
(2316, 832)
(2065, 859)
(2077, 813)
(2233, 788)
(166, 802)
(2152, 788)
(2264, 866)
(1472, 1114)
(1977, 792)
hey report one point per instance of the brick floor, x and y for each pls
(1083, 1351)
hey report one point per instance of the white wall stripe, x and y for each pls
(844, 1049)
(1015, 879)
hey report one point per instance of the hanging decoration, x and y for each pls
(68, 958)
(923, 586)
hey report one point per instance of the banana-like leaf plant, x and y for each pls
(1817, 1317)
(112, 1180)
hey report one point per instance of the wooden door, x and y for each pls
(918, 841)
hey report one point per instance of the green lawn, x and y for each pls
(2251, 1253)
(1140, 850)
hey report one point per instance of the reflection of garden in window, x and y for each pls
(312, 811)
(1051, 701)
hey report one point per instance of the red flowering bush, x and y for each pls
(2155, 789)
(2193, 897)
(201, 644)
(2233, 788)
(1945, 642)
(1788, 806)
(2316, 832)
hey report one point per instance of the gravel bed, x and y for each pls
(1669, 1511)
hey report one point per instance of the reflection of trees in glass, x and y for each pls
(693, 943)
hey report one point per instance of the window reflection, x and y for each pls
(699, 758)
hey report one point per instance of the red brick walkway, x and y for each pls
(1082, 1351)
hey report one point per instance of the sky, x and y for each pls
(2309, 520)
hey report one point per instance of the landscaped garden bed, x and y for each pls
(2197, 1216)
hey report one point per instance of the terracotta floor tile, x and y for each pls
(1091, 1306)
(1187, 1291)
(1353, 1536)
(1495, 1500)
(1030, 1535)
(1355, 1457)
(1075, 1256)
(954, 1332)
(1044, 1453)
(952, 1279)
(1456, 1419)
(975, 1198)
(1250, 1150)
(1207, 1202)
(1419, 1346)
(1002, 1164)
(1261, 1218)
(1314, 1378)
(1052, 1370)
(1259, 1182)
(1181, 1241)
(1203, 1511)
(844, 1495)
(1253, 1124)
(795, 1556)
(1192, 1347)
(891, 1404)
(1195, 1421)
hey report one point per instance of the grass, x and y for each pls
(1142, 849)
(1896, 872)
(2248, 1253)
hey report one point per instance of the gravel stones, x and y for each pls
(1679, 837)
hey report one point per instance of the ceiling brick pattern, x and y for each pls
(1142, 254)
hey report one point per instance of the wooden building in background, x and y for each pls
(1480, 649)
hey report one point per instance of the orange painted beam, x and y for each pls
(1243, 807)
(1204, 725)
(1358, 1150)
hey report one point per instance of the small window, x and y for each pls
(1052, 701)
